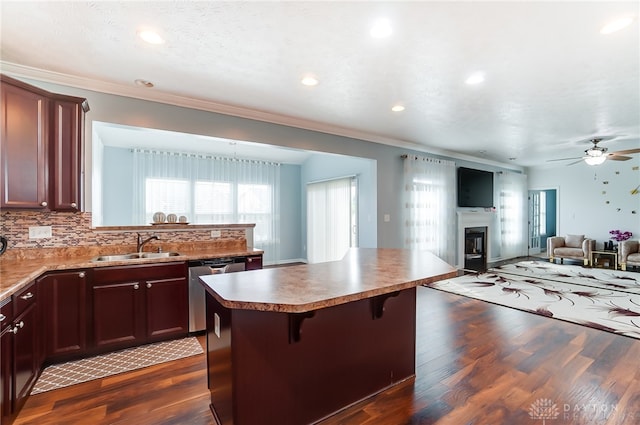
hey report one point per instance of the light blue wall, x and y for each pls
(117, 190)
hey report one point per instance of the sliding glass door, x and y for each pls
(331, 219)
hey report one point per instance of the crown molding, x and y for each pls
(79, 82)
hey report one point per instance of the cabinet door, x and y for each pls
(253, 262)
(68, 118)
(24, 126)
(167, 308)
(64, 312)
(25, 355)
(117, 318)
(6, 360)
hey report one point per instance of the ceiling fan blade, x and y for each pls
(614, 157)
(575, 162)
(626, 152)
(564, 159)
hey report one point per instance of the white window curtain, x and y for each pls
(512, 189)
(329, 217)
(429, 206)
(210, 190)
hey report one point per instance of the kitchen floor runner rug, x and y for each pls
(78, 371)
(617, 280)
(605, 309)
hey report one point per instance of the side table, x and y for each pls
(605, 259)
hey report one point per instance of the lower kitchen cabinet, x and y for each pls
(27, 347)
(6, 359)
(64, 308)
(253, 262)
(133, 305)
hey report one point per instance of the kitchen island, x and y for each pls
(294, 345)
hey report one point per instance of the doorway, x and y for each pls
(332, 211)
(542, 219)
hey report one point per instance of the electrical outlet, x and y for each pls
(215, 233)
(39, 232)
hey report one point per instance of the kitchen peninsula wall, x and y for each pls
(73, 232)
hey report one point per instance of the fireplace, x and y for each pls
(486, 220)
(475, 248)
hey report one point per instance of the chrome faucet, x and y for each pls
(142, 243)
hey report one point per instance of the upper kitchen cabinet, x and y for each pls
(41, 147)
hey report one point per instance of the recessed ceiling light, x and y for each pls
(397, 108)
(309, 80)
(143, 83)
(616, 25)
(381, 29)
(475, 78)
(150, 36)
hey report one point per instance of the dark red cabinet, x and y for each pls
(64, 303)
(6, 359)
(67, 153)
(133, 305)
(253, 262)
(27, 348)
(42, 148)
(25, 140)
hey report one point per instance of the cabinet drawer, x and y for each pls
(138, 272)
(24, 299)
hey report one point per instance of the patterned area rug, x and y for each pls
(604, 299)
(75, 372)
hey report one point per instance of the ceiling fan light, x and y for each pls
(595, 160)
(594, 153)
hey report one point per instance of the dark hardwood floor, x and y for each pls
(477, 363)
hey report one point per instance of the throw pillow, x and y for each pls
(574, 241)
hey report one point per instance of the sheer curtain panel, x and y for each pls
(328, 220)
(210, 190)
(429, 206)
(512, 189)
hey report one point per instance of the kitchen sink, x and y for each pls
(134, 256)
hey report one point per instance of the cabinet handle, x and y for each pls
(136, 286)
(148, 285)
(2, 317)
(27, 296)
(44, 203)
(74, 205)
(17, 327)
(81, 275)
(249, 260)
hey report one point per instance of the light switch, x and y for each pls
(387, 218)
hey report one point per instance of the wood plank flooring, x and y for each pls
(476, 363)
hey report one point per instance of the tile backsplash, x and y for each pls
(75, 230)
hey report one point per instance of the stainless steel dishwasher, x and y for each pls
(197, 318)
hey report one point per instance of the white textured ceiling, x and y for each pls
(552, 80)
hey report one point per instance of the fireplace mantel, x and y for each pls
(474, 219)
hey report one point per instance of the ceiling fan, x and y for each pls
(596, 155)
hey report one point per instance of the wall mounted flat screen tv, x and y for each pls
(475, 188)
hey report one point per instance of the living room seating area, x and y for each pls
(575, 247)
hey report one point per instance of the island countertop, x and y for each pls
(362, 273)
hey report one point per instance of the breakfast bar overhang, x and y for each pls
(294, 345)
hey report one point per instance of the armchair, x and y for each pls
(575, 247)
(629, 254)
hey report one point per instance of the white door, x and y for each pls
(534, 221)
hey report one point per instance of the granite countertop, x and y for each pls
(15, 274)
(362, 273)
